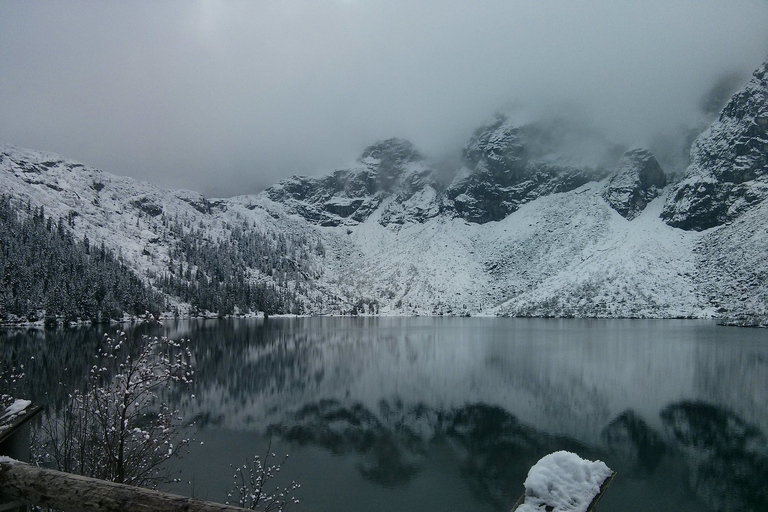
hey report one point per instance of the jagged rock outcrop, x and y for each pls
(729, 163)
(346, 197)
(637, 181)
(415, 200)
(507, 165)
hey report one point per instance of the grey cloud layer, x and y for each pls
(227, 97)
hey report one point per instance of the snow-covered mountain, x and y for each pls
(390, 175)
(533, 223)
(510, 162)
(729, 163)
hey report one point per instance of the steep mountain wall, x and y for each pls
(729, 163)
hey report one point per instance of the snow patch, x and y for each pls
(563, 482)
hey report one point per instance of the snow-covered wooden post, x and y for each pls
(564, 482)
(14, 439)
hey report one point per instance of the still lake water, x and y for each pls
(448, 414)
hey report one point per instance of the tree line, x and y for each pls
(47, 274)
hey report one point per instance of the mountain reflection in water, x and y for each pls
(494, 449)
(728, 457)
(427, 414)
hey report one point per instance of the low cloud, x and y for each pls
(228, 97)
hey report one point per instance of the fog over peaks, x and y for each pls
(228, 97)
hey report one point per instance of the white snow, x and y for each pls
(16, 408)
(566, 254)
(563, 482)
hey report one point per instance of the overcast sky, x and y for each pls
(228, 97)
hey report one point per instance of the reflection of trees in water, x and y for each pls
(248, 358)
(253, 367)
(240, 358)
(735, 377)
(728, 457)
(293, 363)
(244, 360)
(49, 357)
(493, 450)
(57, 361)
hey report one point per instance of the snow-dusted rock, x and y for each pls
(638, 179)
(18, 407)
(561, 254)
(526, 228)
(729, 163)
(509, 163)
(389, 169)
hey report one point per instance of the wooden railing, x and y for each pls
(22, 483)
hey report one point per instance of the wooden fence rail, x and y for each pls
(32, 485)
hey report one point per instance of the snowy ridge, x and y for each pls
(390, 171)
(565, 254)
(729, 163)
(140, 222)
(529, 226)
(638, 179)
(510, 162)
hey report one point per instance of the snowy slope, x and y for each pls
(729, 163)
(140, 222)
(732, 267)
(566, 254)
(566, 240)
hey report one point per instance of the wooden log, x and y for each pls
(33, 485)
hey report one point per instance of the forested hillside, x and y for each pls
(49, 275)
(217, 275)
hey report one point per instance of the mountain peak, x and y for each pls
(729, 163)
(393, 151)
(349, 196)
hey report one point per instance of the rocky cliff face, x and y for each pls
(389, 169)
(729, 163)
(505, 165)
(638, 180)
(509, 164)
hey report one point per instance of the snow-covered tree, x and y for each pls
(254, 488)
(119, 426)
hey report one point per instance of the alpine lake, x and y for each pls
(448, 414)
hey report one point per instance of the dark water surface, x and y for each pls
(448, 414)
